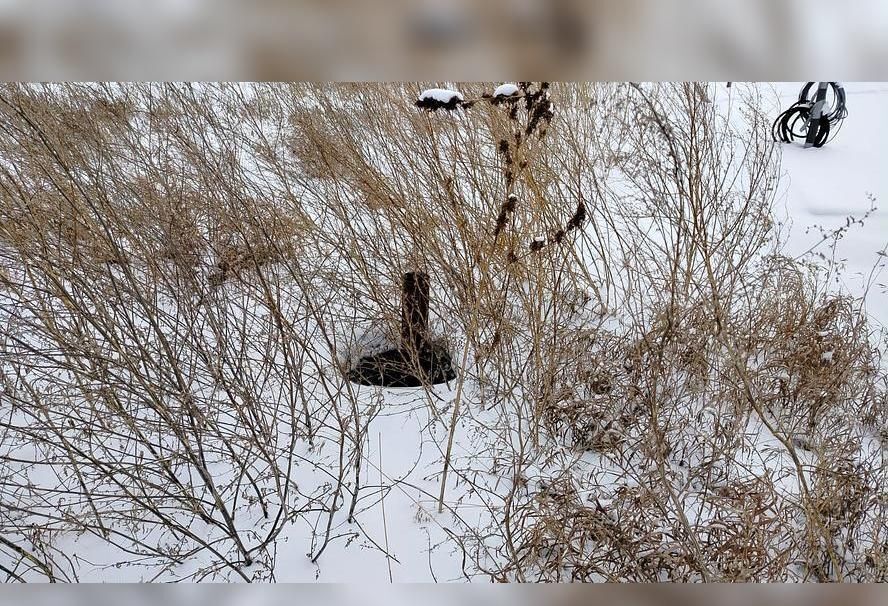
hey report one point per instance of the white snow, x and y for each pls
(823, 187)
(403, 443)
(505, 90)
(442, 95)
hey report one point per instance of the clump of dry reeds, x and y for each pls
(648, 388)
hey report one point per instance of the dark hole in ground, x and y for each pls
(430, 365)
(420, 360)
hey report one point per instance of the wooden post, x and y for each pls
(415, 310)
(418, 359)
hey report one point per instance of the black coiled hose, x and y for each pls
(795, 123)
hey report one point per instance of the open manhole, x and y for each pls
(418, 360)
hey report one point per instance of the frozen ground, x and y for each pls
(822, 187)
(397, 511)
(847, 177)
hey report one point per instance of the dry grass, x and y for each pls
(649, 389)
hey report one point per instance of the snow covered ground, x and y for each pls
(847, 177)
(821, 187)
(404, 443)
